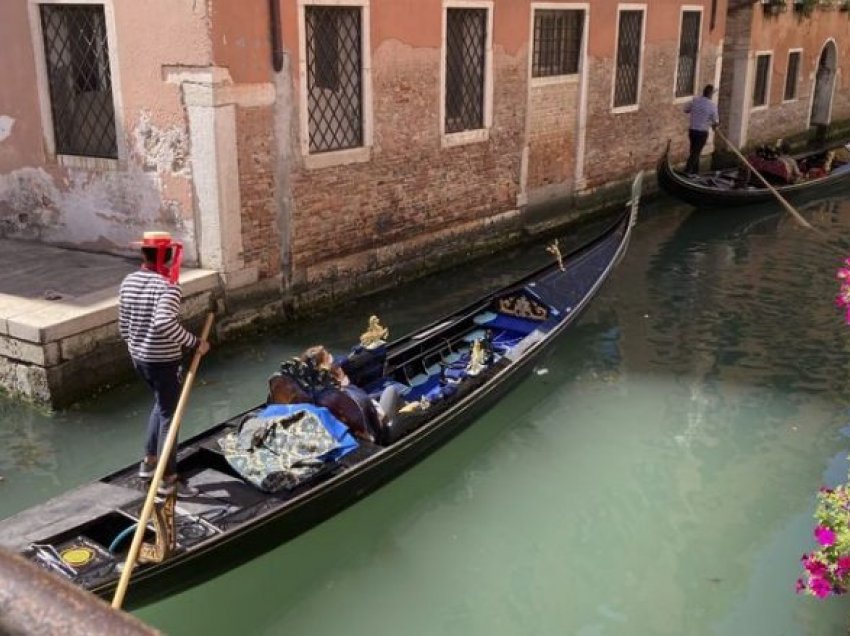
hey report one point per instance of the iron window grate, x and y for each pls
(686, 74)
(466, 41)
(334, 77)
(628, 58)
(557, 42)
(792, 75)
(79, 79)
(760, 88)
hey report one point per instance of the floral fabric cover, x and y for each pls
(286, 444)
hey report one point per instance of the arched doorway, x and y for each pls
(824, 85)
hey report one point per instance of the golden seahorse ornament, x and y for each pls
(555, 251)
(375, 335)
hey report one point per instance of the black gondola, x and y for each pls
(80, 535)
(731, 188)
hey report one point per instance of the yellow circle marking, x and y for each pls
(77, 556)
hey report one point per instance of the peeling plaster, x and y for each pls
(161, 150)
(105, 211)
(6, 124)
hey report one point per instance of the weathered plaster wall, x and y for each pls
(106, 207)
(778, 34)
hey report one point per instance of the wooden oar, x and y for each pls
(790, 208)
(170, 440)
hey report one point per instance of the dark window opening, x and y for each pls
(627, 77)
(334, 77)
(557, 42)
(79, 79)
(760, 87)
(792, 75)
(466, 42)
(686, 73)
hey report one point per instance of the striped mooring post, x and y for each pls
(34, 602)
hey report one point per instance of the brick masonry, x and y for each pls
(360, 217)
(257, 190)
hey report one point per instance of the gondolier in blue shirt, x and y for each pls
(704, 117)
(149, 321)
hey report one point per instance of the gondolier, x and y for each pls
(149, 321)
(704, 117)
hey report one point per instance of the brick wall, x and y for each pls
(260, 235)
(552, 128)
(619, 144)
(363, 216)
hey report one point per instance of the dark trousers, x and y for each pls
(164, 380)
(697, 139)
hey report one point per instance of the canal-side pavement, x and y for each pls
(58, 319)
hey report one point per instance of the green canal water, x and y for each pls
(656, 475)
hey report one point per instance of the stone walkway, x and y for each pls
(58, 307)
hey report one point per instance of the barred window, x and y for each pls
(686, 72)
(791, 75)
(466, 42)
(762, 77)
(557, 42)
(627, 75)
(79, 79)
(334, 37)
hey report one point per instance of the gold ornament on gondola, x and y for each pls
(375, 335)
(166, 536)
(555, 251)
(477, 359)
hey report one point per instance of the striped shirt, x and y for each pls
(703, 113)
(149, 318)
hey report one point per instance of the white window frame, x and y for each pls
(767, 88)
(631, 108)
(690, 8)
(43, 87)
(799, 77)
(481, 134)
(572, 78)
(363, 153)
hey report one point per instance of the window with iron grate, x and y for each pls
(792, 74)
(557, 42)
(627, 75)
(334, 40)
(79, 79)
(466, 41)
(686, 71)
(762, 76)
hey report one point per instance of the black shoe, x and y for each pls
(146, 470)
(183, 489)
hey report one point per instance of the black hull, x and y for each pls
(253, 522)
(698, 195)
(257, 540)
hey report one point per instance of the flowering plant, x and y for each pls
(827, 569)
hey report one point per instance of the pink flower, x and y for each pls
(843, 567)
(814, 567)
(820, 587)
(824, 535)
(800, 586)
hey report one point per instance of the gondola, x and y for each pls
(726, 188)
(489, 345)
